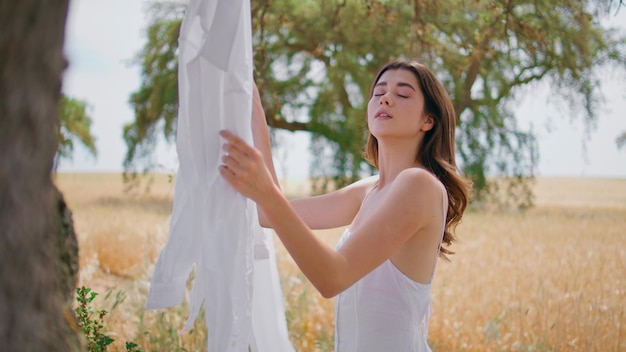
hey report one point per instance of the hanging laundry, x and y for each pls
(214, 230)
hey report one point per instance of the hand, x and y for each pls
(244, 168)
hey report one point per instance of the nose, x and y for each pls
(385, 100)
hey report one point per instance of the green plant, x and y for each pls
(132, 347)
(91, 321)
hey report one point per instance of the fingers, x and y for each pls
(239, 164)
(243, 167)
(232, 171)
(234, 152)
(236, 142)
(230, 177)
(226, 172)
(240, 157)
(236, 147)
(232, 164)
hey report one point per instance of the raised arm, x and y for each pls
(320, 212)
(333, 209)
(404, 211)
(260, 133)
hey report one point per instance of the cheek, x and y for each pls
(371, 109)
(371, 112)
(372, 105)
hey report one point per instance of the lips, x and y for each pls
(382, 114)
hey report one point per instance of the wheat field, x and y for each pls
(550, 278)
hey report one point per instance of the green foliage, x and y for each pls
(156, 101)
(74, 126)
(159, 330)
(132, 347)
(90, 320)
(315, 60)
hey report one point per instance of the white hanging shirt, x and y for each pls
(214, 228)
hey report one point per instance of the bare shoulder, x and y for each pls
(419, 187)
(419, 180)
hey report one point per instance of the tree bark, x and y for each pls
(38, 251)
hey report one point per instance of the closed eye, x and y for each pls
(379, 93)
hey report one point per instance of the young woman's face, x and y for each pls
(396, 107)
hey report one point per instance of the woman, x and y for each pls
(383, 265)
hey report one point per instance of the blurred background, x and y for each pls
(103, 45)
(540, 269)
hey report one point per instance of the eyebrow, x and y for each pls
(400, 84)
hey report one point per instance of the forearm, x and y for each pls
(245, 170)
(322, 265)
(261, 139)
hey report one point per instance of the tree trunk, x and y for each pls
(38, 251)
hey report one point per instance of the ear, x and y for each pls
(428, 124)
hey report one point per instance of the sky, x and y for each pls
(104, 37)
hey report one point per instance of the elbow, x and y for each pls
(263, 219)
(329, 293)
(330, 288)
(264, 223)
(332, 280)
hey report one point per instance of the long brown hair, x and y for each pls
(436, 152)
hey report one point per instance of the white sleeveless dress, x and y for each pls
(385, 311)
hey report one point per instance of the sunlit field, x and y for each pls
(552, 278)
